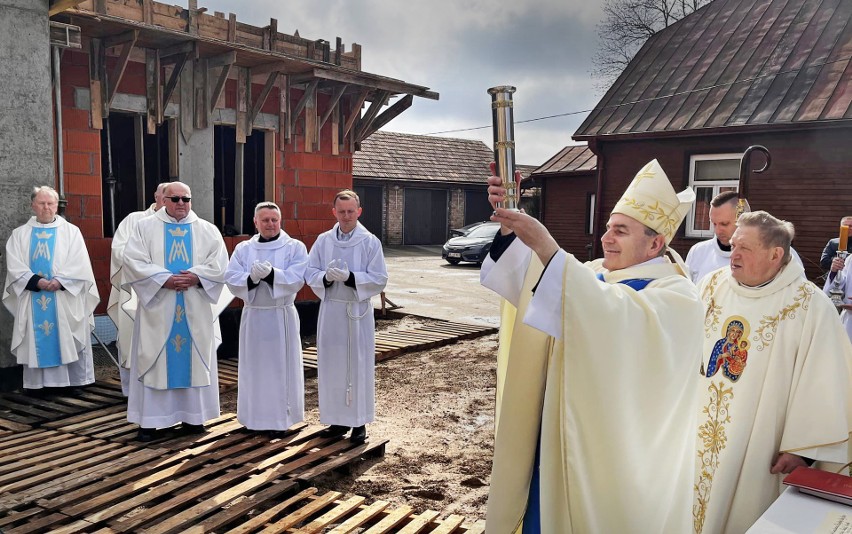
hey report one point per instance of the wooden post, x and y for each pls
(311, 122)
(269, 149)
(202, 97)
(239, 179)
(335, 130)
(187, 100)
(232, 28)
(148, 11)
(243, 81)
(96, 85)
(152, 90)
(174, 149)
(139, 146)
(284, 130)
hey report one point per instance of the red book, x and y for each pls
(823, 484)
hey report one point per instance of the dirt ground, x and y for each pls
(437, 409)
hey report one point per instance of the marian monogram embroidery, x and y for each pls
(42, 248)
(713, 438)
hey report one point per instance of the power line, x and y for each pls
(651, 99)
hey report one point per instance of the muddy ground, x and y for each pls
(436, 408)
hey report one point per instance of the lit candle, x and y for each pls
(844, 237)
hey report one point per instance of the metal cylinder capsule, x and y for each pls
(503, 126)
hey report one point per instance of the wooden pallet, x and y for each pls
(75, 483)
(392, 343)
(23, 411)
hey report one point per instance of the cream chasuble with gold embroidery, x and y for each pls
(614, 401)
(776, 378)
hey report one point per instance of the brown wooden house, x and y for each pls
(415, 188)
(737, 73)
(568, 183)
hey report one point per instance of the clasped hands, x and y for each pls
(337, 271)
(49, 285)
(182, 281)
(260, 270)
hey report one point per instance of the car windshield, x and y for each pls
(486, 230)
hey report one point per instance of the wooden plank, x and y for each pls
(332, 104)
(371, 113)
(300, 105)
(96, 88)
(26, 409)
(448, 525)
(174, 149)
(187, 517)
(128, 40)
(387, 116)
(186, 97)
(264, 94)
(220, 85)
(15, 426)
(358, 520)
(303, 513)
(139, 152)
(17, 516)
(475, 528)
(36, 475)
(335, 131)
(284, 126)
(36, 525)
(269, 156)
(391, 520)
(174, 77)
(154, 104)
(335, 514)
(311, 122)
(239, 511)
(202, 98)
(232, 27)
(261, 519)
(366, 449)
(355, 110)
(419, 522)
(243, 103)
(78, 422)
(147, 12)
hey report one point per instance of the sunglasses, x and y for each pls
(176, 199)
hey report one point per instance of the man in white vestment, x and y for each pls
(840, 271)
(122, 303)
(706, 256)
(775, 378)
(266, 272)
(598, 381)
(51, 292)
(346, 268)
(175, 263)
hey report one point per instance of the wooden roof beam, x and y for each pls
(368, 118)
(385, 84)
(388, 115)
(355, 111)
(309, 91)
(264, 94)
(332, 104)
(266, 68)
(127, 40)
(226, 61)
(173, 79)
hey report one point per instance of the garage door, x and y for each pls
(371, 202)
(476, 206)
(425, 220)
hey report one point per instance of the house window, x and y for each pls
(709, 175)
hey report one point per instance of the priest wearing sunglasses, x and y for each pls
(175, 262)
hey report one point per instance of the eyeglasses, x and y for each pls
(176, 199)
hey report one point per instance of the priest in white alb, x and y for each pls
(346, 268)
(122, 302)
(175, 263)
(51, 292)
(598, 380)
(267, 272)
(776, 378)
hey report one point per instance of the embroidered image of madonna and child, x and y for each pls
(731, 352)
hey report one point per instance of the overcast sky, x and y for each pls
(460, 48)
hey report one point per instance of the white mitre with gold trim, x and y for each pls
(651, 200)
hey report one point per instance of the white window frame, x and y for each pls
(717, 185)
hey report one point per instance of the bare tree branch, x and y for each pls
(626, 25)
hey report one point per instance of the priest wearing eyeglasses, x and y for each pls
(175, 262)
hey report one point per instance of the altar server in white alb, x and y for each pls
(715, 253)
(346, 268)
(122, 303)
(266, 272)
(50, 290)
(595, 409)
(776, 378)
(175, 262)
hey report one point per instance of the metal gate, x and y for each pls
(425, 219)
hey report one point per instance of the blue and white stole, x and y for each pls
(178, 240)
(532, 516)
(42, 245)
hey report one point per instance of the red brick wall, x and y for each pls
(305, 182)
(82, 170)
